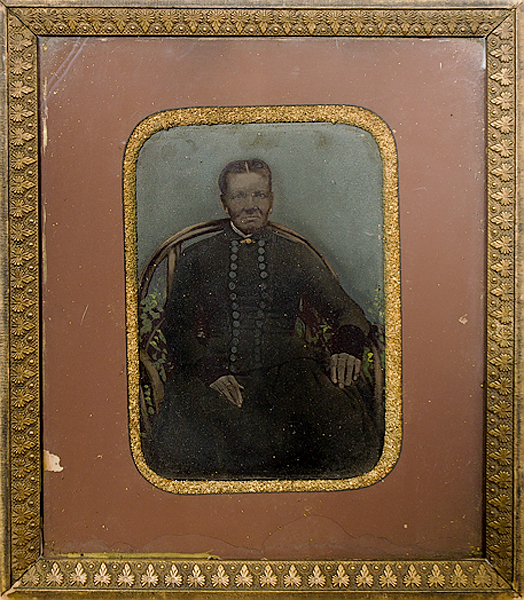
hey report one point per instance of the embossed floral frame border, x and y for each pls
(500, 573)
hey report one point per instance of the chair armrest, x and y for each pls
(157, 385)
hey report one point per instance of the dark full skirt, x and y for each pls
(293, 424)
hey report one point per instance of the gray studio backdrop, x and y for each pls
(327, 183)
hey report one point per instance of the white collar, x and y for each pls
(240, 233)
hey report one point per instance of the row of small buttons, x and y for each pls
(233, 266)
(262, 259)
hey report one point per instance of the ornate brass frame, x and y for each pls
(500, 572)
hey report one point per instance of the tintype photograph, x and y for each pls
(256, 362)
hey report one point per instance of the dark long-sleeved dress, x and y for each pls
(232, 310)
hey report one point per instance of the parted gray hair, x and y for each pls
(252, 165)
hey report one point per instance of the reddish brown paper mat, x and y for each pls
(431, 93)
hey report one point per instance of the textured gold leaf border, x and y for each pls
(24, 342)
(497, 570)
(260, 22)
(189, 575)
(501, 229)
(345, 115)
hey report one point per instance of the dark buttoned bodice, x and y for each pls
(234, 302)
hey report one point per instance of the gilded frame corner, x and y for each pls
(499, 573)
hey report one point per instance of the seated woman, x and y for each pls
(250, 399)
